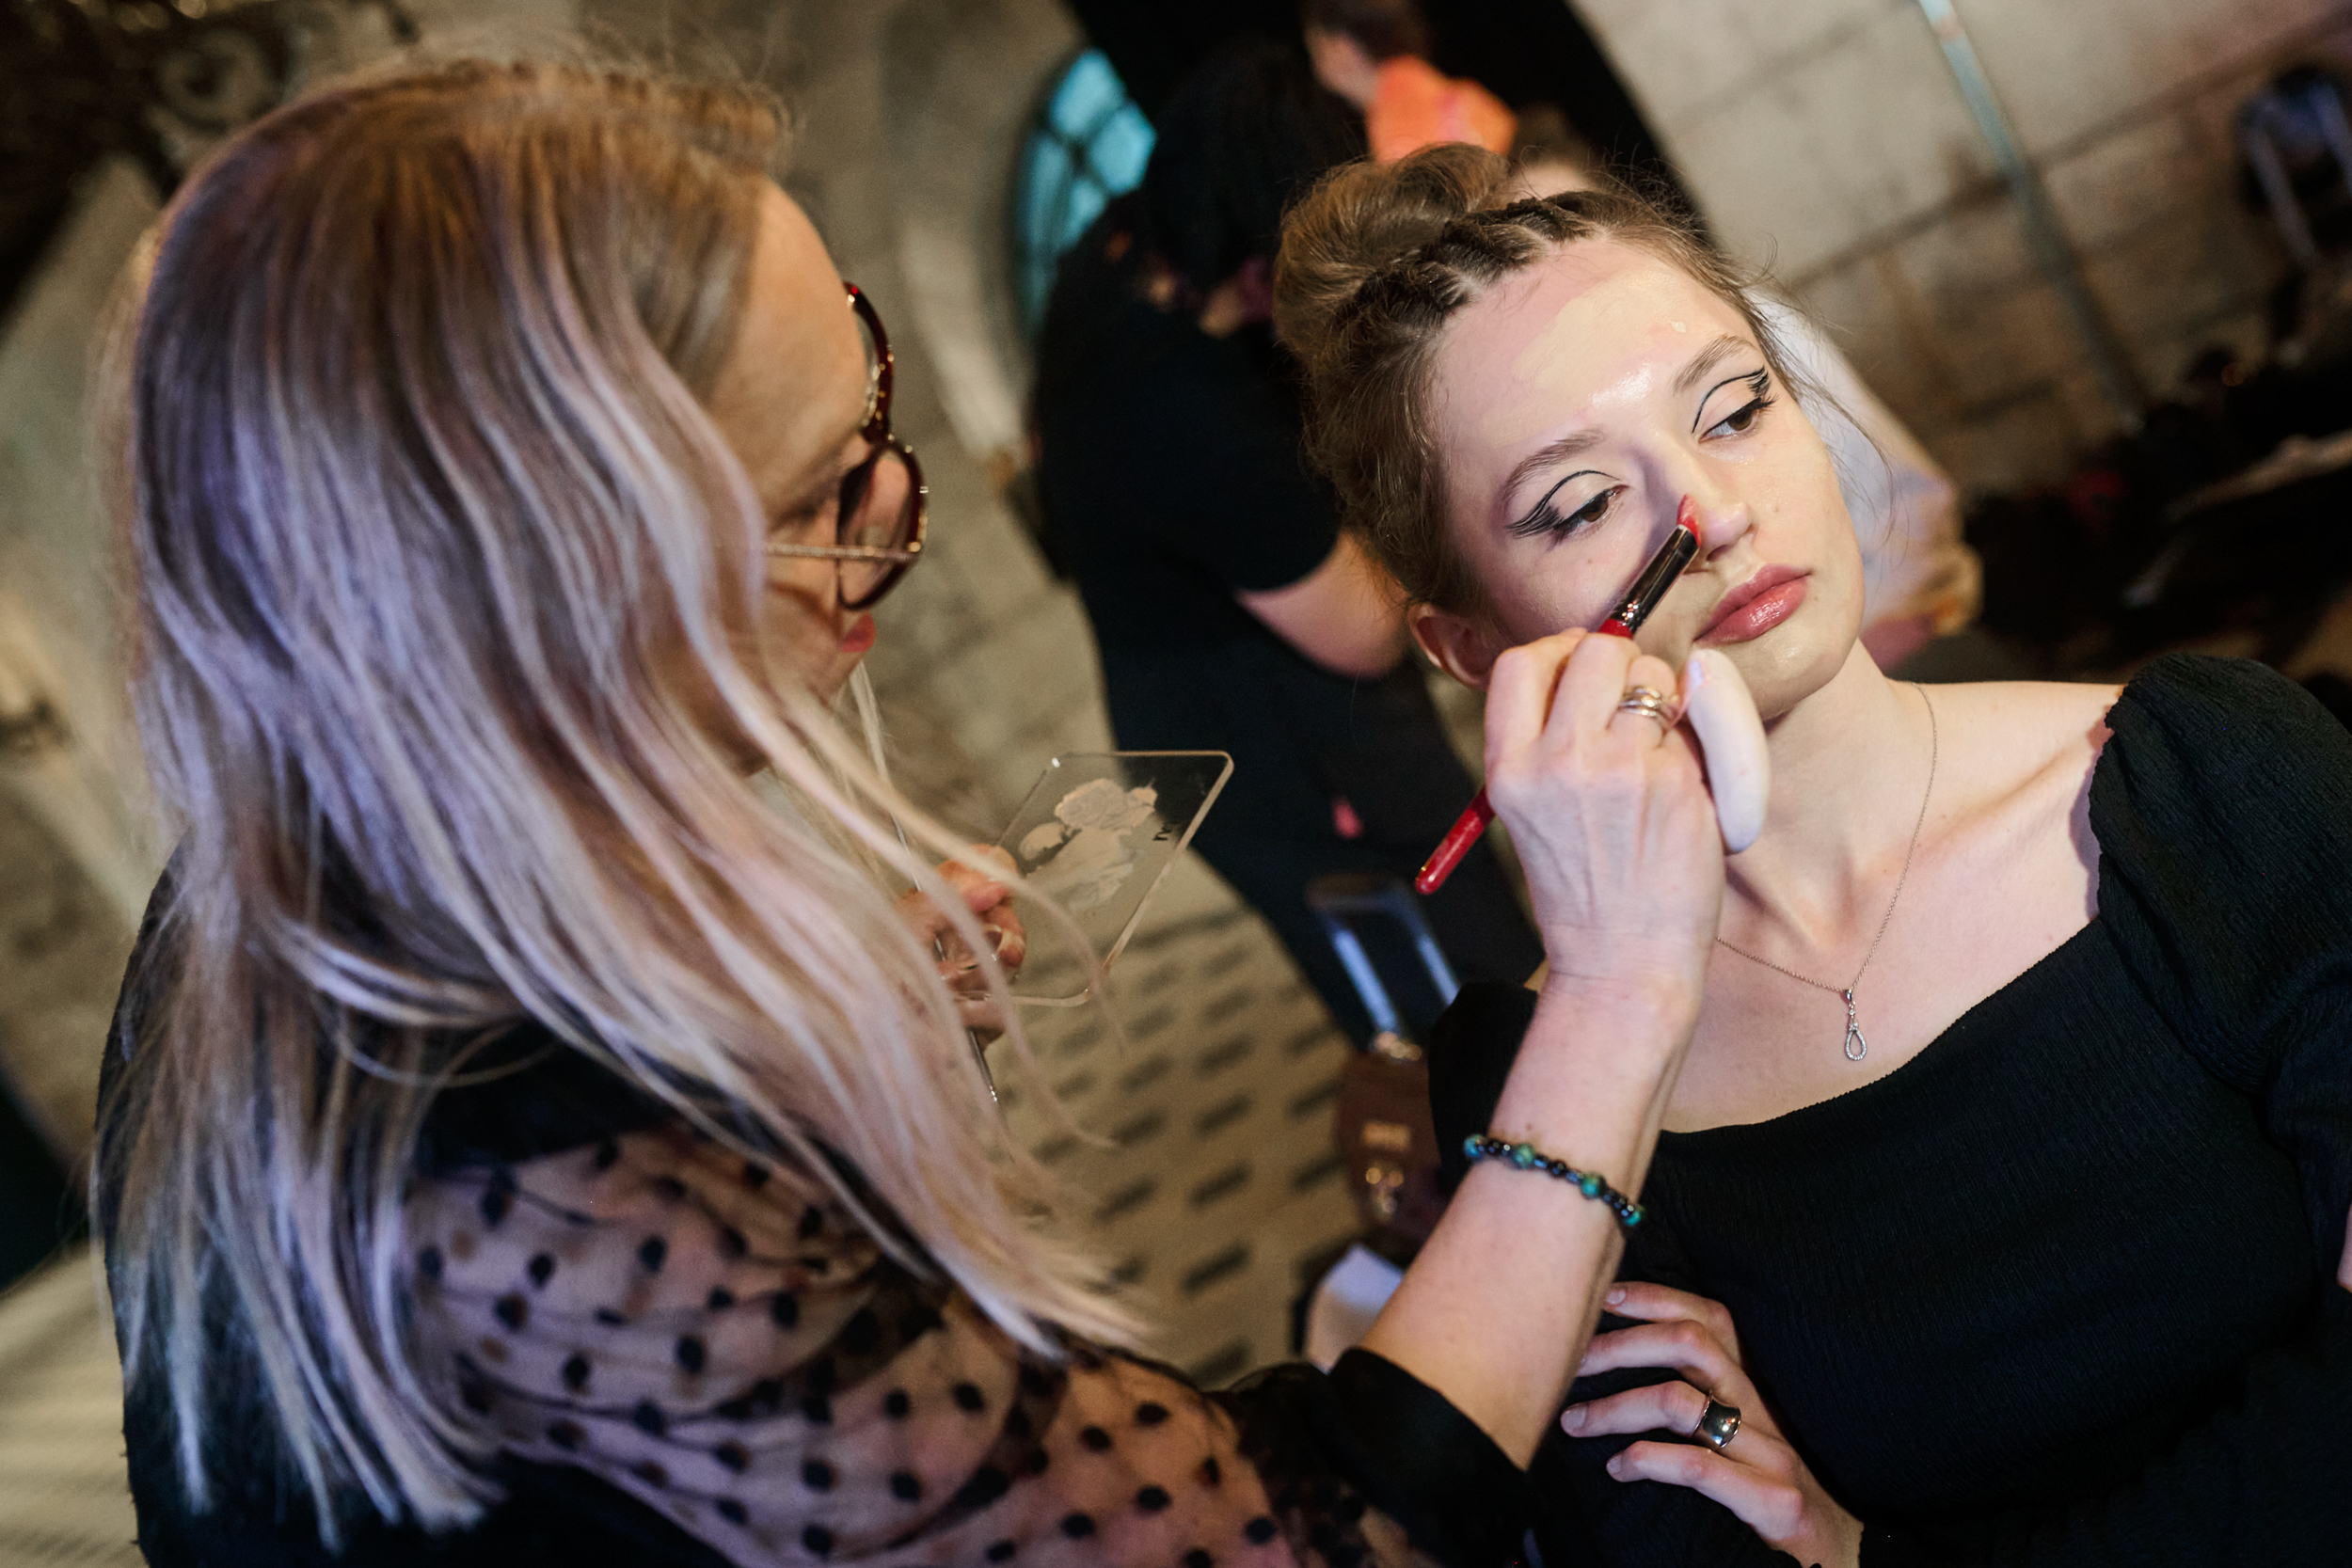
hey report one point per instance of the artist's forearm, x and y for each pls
(1496, 1310)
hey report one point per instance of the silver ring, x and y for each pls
(1649, 704)
(1718, 1424)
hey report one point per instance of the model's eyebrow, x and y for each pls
(1706, 359)
(1559, 452)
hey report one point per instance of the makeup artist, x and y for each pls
(2000, 1214)
(522, 1142)
(1230, 611)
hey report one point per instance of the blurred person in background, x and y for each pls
(1230, 610)
(528, 1138)
(1372, 53)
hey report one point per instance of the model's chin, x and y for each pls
(1799, 656)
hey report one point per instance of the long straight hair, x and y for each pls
(448, 644)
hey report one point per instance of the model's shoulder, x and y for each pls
(2056, 705)
(2025, 730)
(2225, 737)
(2198, 698)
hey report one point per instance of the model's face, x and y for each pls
(1574, 408)
(791, 400)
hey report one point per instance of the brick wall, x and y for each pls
(1828, 137)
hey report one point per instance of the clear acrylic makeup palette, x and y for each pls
(1097, 833)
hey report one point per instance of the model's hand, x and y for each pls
(2343, 1264)
(990, 899)
(1757, 1475)
(1608, 812)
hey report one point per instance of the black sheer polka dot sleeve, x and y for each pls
(720, 1341)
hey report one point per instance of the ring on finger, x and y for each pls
(1717, 1425)
(1650, 704)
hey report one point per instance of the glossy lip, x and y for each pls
(1764, 582)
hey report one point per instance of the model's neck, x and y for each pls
(1850, 768)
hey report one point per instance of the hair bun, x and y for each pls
(1357, 220)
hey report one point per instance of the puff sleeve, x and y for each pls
(720, 1341)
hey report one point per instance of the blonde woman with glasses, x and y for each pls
(522, 1143)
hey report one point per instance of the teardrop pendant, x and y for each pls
(1856, 1047)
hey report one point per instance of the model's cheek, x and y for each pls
(1536, 604)
(1575, 584)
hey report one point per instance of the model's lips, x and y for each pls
(1755, 606)
(860, 636)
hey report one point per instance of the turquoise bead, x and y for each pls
(1486, 1145)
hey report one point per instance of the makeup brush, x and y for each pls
(1675, 554)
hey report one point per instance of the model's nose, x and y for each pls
(1718, 521)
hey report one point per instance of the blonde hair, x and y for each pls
(1374, 263)
(438, 558)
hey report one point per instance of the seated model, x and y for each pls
(2004, 1188)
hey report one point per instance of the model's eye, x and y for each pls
(1547, 519)
(1745, 418)
(1592, 511)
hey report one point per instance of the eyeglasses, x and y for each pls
(885, 508)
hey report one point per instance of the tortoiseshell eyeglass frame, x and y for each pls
(904, 543)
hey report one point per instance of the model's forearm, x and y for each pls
(1495, 1312)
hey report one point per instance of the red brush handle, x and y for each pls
(1475, 819)
(1480, 812)
(1468, 829)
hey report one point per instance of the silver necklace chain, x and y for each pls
(1855, 1046)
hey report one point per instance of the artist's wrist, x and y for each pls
(1629, 1029)
(1661, 945)
(1627, 983)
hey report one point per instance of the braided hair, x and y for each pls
(1374, 263)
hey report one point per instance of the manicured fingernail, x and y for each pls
(1616, 1295)
(1572, 1419)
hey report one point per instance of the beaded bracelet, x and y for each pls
(1486, 1145)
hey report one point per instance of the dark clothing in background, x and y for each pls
(2060, 1289)
(1172, 477)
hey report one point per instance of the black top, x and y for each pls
(1171, 466)
(1326, 1448)
(2059, 1290)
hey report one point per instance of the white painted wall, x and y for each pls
(1827, 137)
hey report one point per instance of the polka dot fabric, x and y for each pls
(721, 1342)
